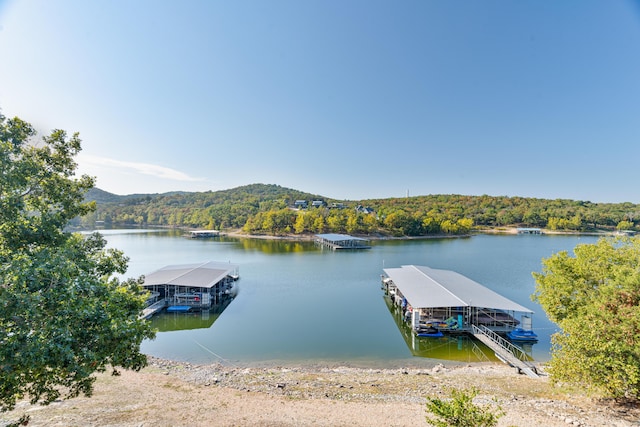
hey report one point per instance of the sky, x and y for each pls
(348, 99)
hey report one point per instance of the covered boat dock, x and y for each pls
(443, 300)
(341, 241)
(191, 286)
(450, 301)
(203, 234)
(526, 230)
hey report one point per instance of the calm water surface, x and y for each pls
(299, 303)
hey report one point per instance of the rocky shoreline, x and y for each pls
(514, 393)
(172, 393)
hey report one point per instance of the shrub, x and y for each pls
(460, 411)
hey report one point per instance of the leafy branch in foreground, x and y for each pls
(63, 313)
(594, 297)
(460, 411)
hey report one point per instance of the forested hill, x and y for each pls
(102, 197)
(272, 209)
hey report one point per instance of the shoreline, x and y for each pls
(377, 237)
(238, 233)
(404, 363)
(170, 393)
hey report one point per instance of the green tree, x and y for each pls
(430, 225)
(506, 217)
(576, 222)
(624, 225)
(464, 225)
(594, 297)
(269, 222)
(63, 314)
(401, 223)
(449, 227)
(553, 223)
(353, 222)
(299, 226)
(336, 221)
(319, 224)
(370, 223)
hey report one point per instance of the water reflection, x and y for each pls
(268, 246)
(460, 348)
(167, 322)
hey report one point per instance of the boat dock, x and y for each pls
(203, 234)
(446, 301)
(341, 241)
(525, 230)
(190, 286)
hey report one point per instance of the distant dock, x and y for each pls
(203, 234)
(525, 230)
(341, 241)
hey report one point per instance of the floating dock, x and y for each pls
(525, 230)
(184, 287)
(203, 234)
(455, 304)
(341, 241)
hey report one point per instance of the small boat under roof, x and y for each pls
(429, 332)
(522, 335)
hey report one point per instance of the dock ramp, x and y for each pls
(505, 351)
(153, 309)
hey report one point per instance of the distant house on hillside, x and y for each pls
(317, 203)
(300, 204)
(364, 210)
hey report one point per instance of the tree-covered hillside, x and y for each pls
(227, 209)
(272, 209)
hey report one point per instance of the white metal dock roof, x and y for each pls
(195, 275)
(425, 287)
(332, 237)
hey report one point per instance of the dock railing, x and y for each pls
(505, 350)
(507, 345)
(153, 308)
(478, 352)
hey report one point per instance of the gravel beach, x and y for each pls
(169, 393)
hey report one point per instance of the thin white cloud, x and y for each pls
(87, 162)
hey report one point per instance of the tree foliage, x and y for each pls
(63, 314)
(410, 216)
(594, 297)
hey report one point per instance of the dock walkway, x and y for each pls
(153, 309)
(505, 350)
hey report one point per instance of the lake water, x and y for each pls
(299, 303)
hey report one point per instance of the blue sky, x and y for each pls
(350, 99)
